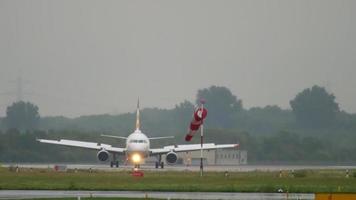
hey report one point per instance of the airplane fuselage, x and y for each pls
(137, 144)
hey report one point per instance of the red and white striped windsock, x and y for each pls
(198, 118)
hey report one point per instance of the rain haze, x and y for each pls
(92, 57)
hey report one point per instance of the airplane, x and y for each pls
(137, 147)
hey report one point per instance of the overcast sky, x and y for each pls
(93, 57)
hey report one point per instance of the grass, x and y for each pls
(95, 198)
(309, 182)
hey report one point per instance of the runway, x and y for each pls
(218, 168)
(30, 194)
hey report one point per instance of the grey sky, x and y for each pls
(91, 57)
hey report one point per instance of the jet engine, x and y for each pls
(171, 157)
(103, 155)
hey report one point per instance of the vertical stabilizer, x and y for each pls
(138, 115)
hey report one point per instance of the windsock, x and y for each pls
(198, 118)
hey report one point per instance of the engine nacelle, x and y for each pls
(171, 158)
(103, 155)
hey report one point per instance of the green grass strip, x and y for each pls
(310, 181)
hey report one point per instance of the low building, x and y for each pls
(214, 157)
(230, 157)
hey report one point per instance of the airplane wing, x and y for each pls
(191, 147)
(86, 145)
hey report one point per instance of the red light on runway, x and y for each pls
(137, 173)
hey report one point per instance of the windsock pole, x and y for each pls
(201, 141)
(199, 115)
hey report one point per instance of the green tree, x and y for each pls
(221, 105)
(264, 120)
(183, 115)
(315, 108)
(22, 116)
(282, 146)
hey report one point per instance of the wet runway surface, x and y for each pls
(240, 168)
(30, 194)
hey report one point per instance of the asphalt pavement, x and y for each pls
(147, 167)
(30, 194)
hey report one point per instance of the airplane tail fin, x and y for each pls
(138, 115)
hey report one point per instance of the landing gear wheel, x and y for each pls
(157, 165)
(159, 162)
(114, 162)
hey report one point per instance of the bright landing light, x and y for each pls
(136, 158)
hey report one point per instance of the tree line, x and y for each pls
(314, 130)
(279, 147)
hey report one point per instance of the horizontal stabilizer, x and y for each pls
(114, 136)
(157, 138)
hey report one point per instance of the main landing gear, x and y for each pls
(114, 162)
(159, 163)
